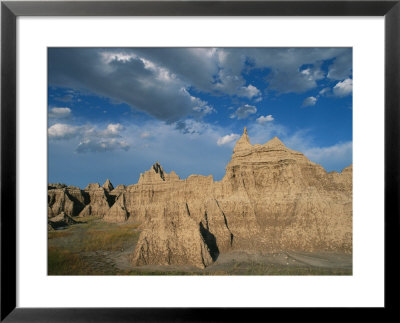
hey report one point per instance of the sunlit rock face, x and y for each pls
(271, 199)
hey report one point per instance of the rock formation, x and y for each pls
(178, 239)
(60, 221)
(117, 213)
(271, 199)
(108, 186)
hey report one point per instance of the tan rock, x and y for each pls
(92, 186)
(108, 186)
(87, 211)
(117, 213)
(271, 199)
(98, 200)
(60, 201)
(171, 237)
(156, 174)
(61, 220)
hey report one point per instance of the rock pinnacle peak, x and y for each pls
(275, 143)
(245, 137)
(158, 169)
(107, 185)
(243, 144)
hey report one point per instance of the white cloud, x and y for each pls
(91, 139)
(125, 77)
(228, 139)
(244, 111)
(249, 91)
(157, 80)
(310, 101)
(60, 113)
(63, 131)
(288, 74)
(202, 108)
(113, 129)
(343, 88)
(264, 119)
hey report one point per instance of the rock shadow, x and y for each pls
(210, 241)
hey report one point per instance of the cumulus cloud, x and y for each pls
(131, 79)
(113, 129)
(228, 139)
(157, 80)
(310, 101)
(244, 111)
(59, 113)
(295, 70)
(63, 131)
(201, 108)
(249, 91)
(91, 139)
(264, 119)
(343, 88)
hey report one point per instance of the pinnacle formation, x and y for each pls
(156, 174)
(108, 186)
(271, 199)
(243, 144)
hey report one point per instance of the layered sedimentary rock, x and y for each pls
(92, 201)
(117, 212)
(108, 186)
(59, 221)
(99, 201)
(178, 239)
(271, 199)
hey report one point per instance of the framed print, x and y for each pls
(244, 147)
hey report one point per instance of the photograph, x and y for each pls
(199, 161)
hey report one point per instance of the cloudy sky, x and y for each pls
(113, 112)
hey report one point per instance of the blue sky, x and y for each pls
(113, 112)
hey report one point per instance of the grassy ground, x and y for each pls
(93, 247)
(89, 248)
(246, 269)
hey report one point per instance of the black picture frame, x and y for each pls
(10, 10)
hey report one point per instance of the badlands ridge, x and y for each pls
(271, 199)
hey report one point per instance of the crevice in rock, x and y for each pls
(206, 218)
(226, 223)
(187, 209)
(86, 197)
(109, 198)
(210, 241)
(157, 168)
(77, 207)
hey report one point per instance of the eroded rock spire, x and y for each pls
(108, 186)
(243, 144)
